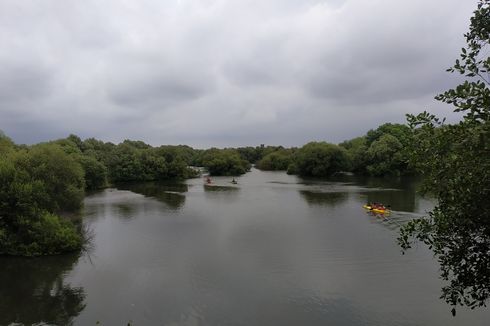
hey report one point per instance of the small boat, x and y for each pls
(377, 210)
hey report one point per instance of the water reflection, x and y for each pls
(264, 252)
(33, 291)
(172, 194)
(398, 192)
(323, 198)
(126, 211)
(400, 200)
(215, 188)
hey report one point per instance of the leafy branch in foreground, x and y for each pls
(455, 161)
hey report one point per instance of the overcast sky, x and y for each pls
(223, 72)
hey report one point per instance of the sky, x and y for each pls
(223, 73)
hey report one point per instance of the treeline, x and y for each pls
(42, 182)
(39, 183)
(382, 151)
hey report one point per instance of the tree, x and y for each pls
(277, 160)
(384, 156)
(382, 151)
(6, 143)
(400, 132)
(357, 153)
(320, 159)
(224, 162)
(34, 184)
(124, 164)
(61, 175)
(95, 172)
(455, 159)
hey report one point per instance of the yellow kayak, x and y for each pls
(376, 210)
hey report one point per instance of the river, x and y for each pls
(272, 250)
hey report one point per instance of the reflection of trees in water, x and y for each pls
(400, 200)
(33, 291)
(398, 192)
(169, 193)
(218, 188)
(125, 211)
(323, 198)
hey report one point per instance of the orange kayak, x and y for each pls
(376, 210)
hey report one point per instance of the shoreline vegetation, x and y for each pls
(40, 182)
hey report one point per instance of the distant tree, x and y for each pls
(385, 157)
(400, 131)
(125, 164)
(250, 154)
(95, 172)
(255, 154)
(277, 160)
(382, 151)
(455, 160)
(320, 159)
(154, 166)
(103, 152)
(224, 162)
(76, 140)
(6, 144)
(61, 175)
(357, 152)
(136, 144)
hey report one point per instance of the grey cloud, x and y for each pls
(222, 72)
(157, 90)
(261, 67)
(21, 81)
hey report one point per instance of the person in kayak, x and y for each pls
(380, 206)
(375, 205)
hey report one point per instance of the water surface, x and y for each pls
(272, 250)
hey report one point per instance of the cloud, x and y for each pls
(23, 81)
(222, 72)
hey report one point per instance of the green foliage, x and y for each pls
(138, 144)
(250, 154)
(224, 162)
(381, 152)
(386, 152)
(135, 161)
(455, 159)
(101, 151)
(126, 164)
(255, 154)
(320, 159)
(277, 160)
(6, 144)
(95, 172)
(35, 183)
(61, 175)
(19, 194)
(181, 152)
(385, 156)
(357, 154)
(401, 132)
(43, 234)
